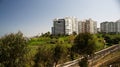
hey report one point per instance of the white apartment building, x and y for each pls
(91, 26)
(68, 25)
(104, 27)
(88, 26)
(110, 27)
(71, 25)
(118, 26)
(80, 26)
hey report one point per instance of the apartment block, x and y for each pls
(110, 27)
(117, 26)
(104, 27)
(64, 26)
(87, 26)
(68, 25)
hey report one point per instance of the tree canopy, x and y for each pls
(13, 48)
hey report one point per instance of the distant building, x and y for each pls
(104, 27)
(71, 25)
(107, 27)
(91, 26)
(117, 26)
(110, 27)
(80, 26)
(98, 29)
(88, 26)
(59, 26)
(53, 30)
(68, 25)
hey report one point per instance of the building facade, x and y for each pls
(110, 27)
(104, 27)
(91, 26)
(117, 26)
(87, 26)
(65, 26)
(58, 26)
(68, 25)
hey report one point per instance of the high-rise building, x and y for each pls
(68, 25)
(104, 27)
(87, 26)
(91, 26)
(117, 26)
(71, 25)
(59, 26)
(110, 27)
(80, 26)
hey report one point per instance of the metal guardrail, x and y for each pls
(70, 63)
(97, 55)
(103, 53)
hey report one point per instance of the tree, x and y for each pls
(108, 40)
(57, 54)
(44, 57)
(13, 48)
(47, 34)
(81, 43)
(71, 39)
(83, 62)
(84, 45)
(74, 33)
(91, 47)
(48, 56)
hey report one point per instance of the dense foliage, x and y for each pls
(13, 48)
(49, 50)
(111, 39)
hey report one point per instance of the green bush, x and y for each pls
(13, 48)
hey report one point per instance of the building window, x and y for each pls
(58, 21)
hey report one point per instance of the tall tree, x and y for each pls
(44, 57)
(84, 45)
(57, 54)
(12, 50)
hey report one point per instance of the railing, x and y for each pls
(70, 63)
(96, 56)
(103, 53)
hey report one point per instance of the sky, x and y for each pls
(33, 17)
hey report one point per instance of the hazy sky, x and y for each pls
(35, 16)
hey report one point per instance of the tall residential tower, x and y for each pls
(87, 26)
(110, 27)
(65, 26)
(68, 25)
